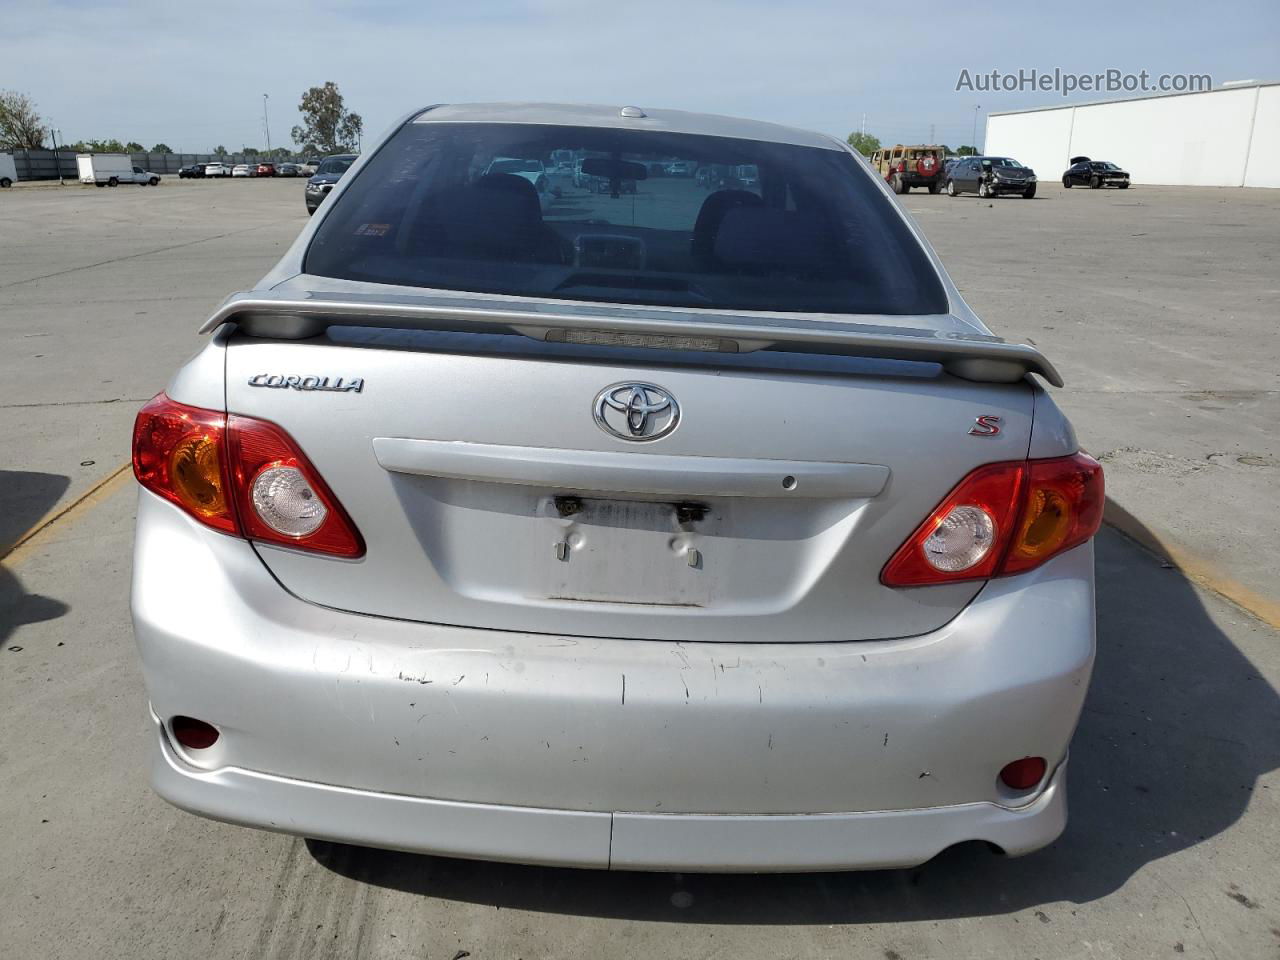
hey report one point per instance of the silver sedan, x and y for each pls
(652, 527)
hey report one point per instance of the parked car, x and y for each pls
(990, 177)
(288, 170)
(679, 168)
(1095, 174)
(194, 171)
(244, 170)
(309, 167)
(904, 167)
(112, 169)
(8, 171)
(805, 615)
(266, 169)
(217, 169)
(326, 177)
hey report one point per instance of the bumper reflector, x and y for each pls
(1023, 774)
(194, 734)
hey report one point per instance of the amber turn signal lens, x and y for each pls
(195, 470)
(1046, 524)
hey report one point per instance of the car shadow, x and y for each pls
(25, 497)
(1175, 732)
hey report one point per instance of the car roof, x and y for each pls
(601, 115)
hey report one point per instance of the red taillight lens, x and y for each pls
(962, 539)
(1002, 519)
(239, 475)
(281, 497)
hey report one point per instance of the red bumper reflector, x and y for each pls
(1023, 774)
(194, 734)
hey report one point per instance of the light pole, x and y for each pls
(974, 141)
(56, 164)
(266, 126)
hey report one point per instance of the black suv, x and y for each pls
(194, 171)
(990, 177)
(1095, 174)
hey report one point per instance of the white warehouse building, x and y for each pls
(1228, 137)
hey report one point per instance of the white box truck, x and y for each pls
(8, 170)
(111, 170)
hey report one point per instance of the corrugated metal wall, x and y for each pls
(39, 164)
(1220, 138)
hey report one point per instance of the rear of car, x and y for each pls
(671, 529)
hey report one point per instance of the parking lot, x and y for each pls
(1158, 306)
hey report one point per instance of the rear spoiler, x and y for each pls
(968, 356)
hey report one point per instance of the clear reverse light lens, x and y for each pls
(285, 502)
(962, 539)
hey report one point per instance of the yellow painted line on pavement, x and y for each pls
(93, 496)
(1194, 567)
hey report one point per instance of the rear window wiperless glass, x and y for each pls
(639, 217)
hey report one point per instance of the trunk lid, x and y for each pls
(491, 495)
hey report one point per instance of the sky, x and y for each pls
(192, 75)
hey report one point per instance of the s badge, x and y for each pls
(985, 426)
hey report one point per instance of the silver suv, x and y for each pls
(652, 530)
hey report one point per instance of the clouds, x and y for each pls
(194, 77)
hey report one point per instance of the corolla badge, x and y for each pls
(636, 411)
(278, 381)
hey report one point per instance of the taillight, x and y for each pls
(1002, 519)
(280, 496)
(239, 475)
(1062, 509)
(180, 454)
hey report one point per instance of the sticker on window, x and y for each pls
(373, 229)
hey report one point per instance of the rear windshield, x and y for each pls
(650, 218)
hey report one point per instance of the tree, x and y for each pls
(21, 127)
(162, 148)
(327, 124)
(967, 151)
(219, 151)
(132, 147)
(99, 146)
(864, 143)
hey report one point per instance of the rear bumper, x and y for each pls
(599, 752)
(618, 841)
